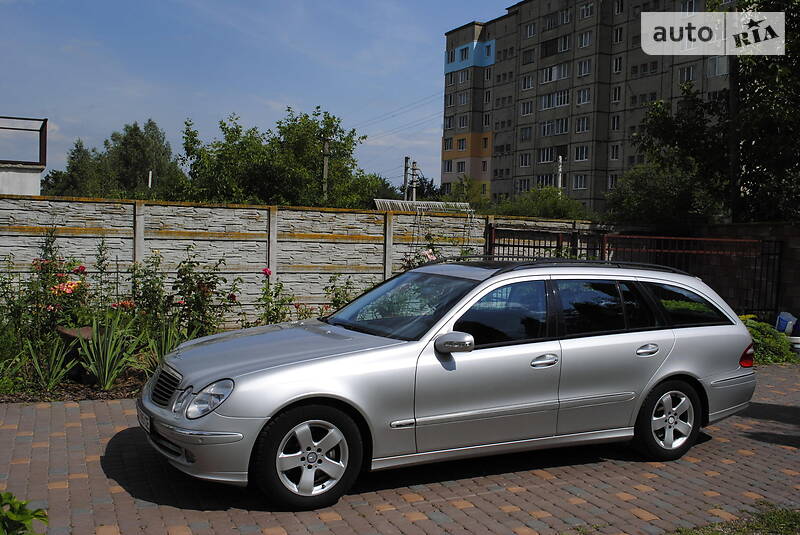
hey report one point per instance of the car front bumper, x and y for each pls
(213, 447)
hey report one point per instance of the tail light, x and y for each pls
(746, 360)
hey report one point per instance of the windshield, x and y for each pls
(404, 307)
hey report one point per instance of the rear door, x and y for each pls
(612, 341)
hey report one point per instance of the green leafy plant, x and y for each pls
(339, 294)
(50, 359)
(110, 349)
(16, 518)
(770, 345)
(274, 303)
(11, 373)
(163, 340)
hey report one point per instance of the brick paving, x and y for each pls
(89, 464)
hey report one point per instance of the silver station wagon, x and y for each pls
(453, 360)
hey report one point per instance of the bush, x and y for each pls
(49, 357)
(339, 294)
(109, 351)
(770, 345)
(547, 202)
(16, 518)
(273, 303)
(163, 340)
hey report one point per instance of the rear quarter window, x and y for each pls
(685, 308)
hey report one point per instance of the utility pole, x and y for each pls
(325, 155)
(414, 171)
(150, 179)
(405, 178)
(560, 173)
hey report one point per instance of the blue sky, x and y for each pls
(92, 66)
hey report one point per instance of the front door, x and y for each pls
(506, 389)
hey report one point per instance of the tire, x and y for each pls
(665, 435)
(307, 457)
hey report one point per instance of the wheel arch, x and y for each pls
(692, 381)
(336, 403)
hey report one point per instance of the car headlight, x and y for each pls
(209, 398)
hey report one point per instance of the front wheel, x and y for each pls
(308, 457)
(669, 421)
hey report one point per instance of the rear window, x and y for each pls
(638, 313)
(685, 308)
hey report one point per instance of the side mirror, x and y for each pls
(454, 342)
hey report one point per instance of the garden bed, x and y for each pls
(127, 386)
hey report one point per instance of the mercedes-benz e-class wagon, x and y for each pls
(453, 360)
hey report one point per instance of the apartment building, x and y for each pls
(552, 92)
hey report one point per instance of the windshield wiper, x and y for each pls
(353, 327)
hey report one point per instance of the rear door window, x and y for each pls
(514, 313)
(638, 312)
(590, 306)
(685, 308)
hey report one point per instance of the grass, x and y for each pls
(766, 522)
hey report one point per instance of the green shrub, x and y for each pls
(110, 350)
(49, 358)
(162, 340)
(16, 518)
(339, 294)
(770, 345)
(274, 303)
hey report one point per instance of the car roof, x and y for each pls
(482, 268)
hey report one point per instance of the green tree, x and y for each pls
(83, 176)
(547, 202)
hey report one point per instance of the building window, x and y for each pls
(616, 94)
(550, 21)
(612, 180)
(619, 6)
(562, 125)
(487, 119)
(584, 96)
(554, 72)
(613, 153)
(584, 39)
(461, 167)
(449, 100)
(527, 82)
(617, 64)
(618, 34)
(585, 67)
(487, 74)
(462, 144)
(634, 70)
(484, 165)
(563, 43)
(687, 6)
(525, 133)
(486, 143)
(565, 15)
(450, 79)
(581, 124)
(487, 97)
(448, 166)
(586, 11)
(447, 144)
(526, 107)
(463, 121)
(451, 56)
(547, 154)
(530, 30)
(528, 56)
(717, 66)
(686, 74)
(615, 122)
(448, 122)
(579, 182)
(463, 98)
(483, 188)
(581, 153)
(464, 53)
(523, 185)
(463, 76)
(525, 159)
(545, 180)
(548, 128)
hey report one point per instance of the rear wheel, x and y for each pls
(307, 457)
(669, 421)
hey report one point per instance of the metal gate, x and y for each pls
(746, 273)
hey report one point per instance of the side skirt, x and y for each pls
(592, 437)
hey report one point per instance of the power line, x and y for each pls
(412, 124)
(402, 109)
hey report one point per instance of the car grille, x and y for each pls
(164, 386)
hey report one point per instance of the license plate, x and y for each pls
(144, 419)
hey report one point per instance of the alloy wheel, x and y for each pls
(672, 420)
(312, 458)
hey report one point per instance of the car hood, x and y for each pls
(236, 353)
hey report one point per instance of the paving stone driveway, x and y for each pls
(90, 465)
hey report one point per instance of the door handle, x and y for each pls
(647, 350)
(544, 361)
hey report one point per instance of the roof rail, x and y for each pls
(516, 262)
